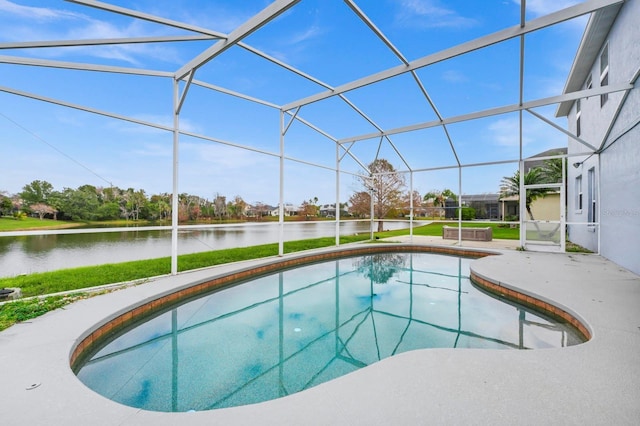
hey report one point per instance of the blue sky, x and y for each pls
(322, 38)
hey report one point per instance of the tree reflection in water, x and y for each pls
(380, 267)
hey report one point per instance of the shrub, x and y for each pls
(468, 213)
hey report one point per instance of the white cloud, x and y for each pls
(544, 7)
(302, 36)
(423, 14)
(219, 156)
(58, 24)
(207, 168)
(295, 44)
(218, 17)
(162, 120)
(536, 133)
(156, 150)
(454, 76)
(37, 13)
(504, 132)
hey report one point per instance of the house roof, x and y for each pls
(531, 163)
(481, 197)
(595, 34)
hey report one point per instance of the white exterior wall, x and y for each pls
(618, 167)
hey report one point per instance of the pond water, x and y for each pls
(40, 253)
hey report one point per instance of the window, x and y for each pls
(604, 73)
(589, 84)
(579, 193)
(591, 200)
(604, 59)
(578, 115)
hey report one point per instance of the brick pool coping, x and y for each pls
(532, 302)
(94, 337)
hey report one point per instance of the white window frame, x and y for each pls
(579, 198)
(591, 198)
(578, 115)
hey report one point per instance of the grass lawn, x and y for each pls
(27, 223)
(435, 230)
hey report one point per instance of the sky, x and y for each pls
(230, 146)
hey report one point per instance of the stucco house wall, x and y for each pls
(610, 176)
(547, 207)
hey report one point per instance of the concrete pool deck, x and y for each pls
(597, 382)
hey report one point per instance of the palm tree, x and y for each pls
(510, 185)
(552, 170)
(440, 197)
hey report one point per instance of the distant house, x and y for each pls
(487, 206)
(510, 208)
(259, 210)
(542, 208)
(532, 162)
(329, 210)
(289, 210)
(430, 209)
(603, 192)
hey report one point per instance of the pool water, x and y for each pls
(286, 332)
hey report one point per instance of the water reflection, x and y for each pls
(380, 267)
(289, 331)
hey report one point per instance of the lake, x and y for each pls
(40, 253)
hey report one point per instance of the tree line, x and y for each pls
(383, 194)
(91, 203)
(95, 203)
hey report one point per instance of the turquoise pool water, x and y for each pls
(286, 332)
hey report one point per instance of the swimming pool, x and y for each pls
(294, 329)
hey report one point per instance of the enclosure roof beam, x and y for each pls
(83, 108)
(271, 12)
(597, 91)
(404, 160)
(99, 42)
(415, 76)
(271, 105)
(283, 64)
(328, 136)
(437, 112)
(375, 30)
(566, 132)
(234, 93)
(308, 77)
(621, 104)
(369, 23)
(184, 93)
(147, 17)
(479, 43)
(81, 66)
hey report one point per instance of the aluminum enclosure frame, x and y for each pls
(184, 77)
